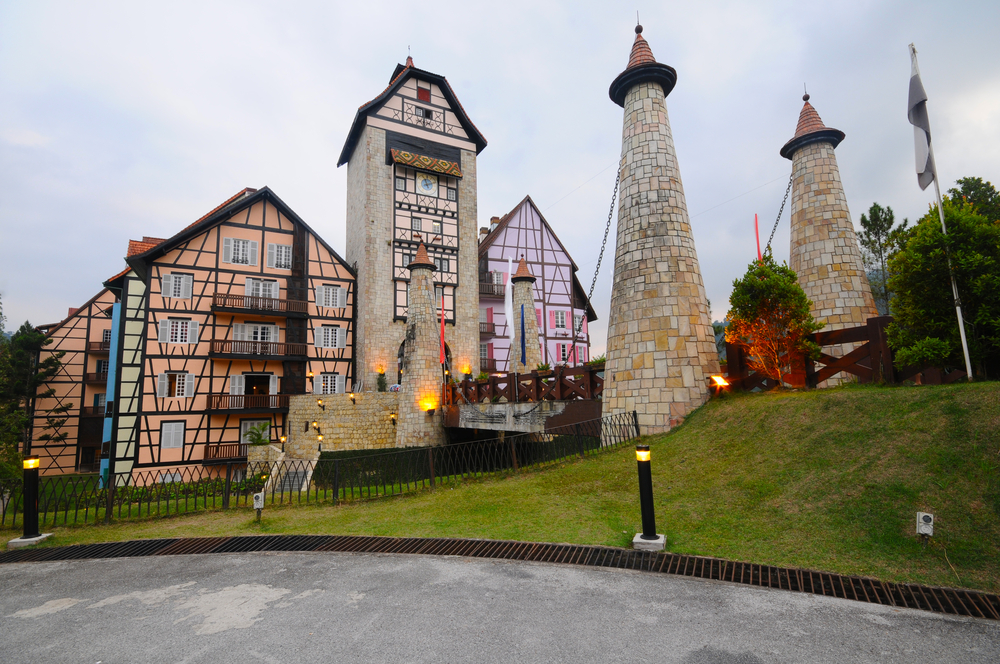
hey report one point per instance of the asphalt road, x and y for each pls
(339, 607)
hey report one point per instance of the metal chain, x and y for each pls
(791, 177)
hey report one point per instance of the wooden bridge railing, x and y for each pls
(871, 361)
(560, 384)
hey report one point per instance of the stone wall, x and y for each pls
(463, 340)
(661, 347)
(523, 295)
(364, 425)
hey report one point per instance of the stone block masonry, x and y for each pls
(524, 300)
(364, 425)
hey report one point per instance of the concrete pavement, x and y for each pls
(338, 607)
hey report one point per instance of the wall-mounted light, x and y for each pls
(353, 399)
(428, 405)
(283, 439)
(31, 463)
(310, 374)
(315, 425)
(319, 437)
(392, 416)
(319, 402)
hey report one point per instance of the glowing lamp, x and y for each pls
(646, 493)
(353, 399)
(310, 374)
(315, 425)
(319, 402)
(466, 370)
(30, 493)
(720, 381)
(642, 454)
(392, 416)
(31, 462)
(319, 438)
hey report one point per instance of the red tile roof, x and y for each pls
(641, 53)
(139, 247)
(810, 129)
(809, 121)
(522, 270)
(422, 259)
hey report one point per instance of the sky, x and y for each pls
(119, 120)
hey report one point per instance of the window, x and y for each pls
(400, 184)
(331, 296)
(497, 277)
(577, 324)
(279, 256)
(425, 113)
(100, 401)
(581, 354)
(560, 320)
(484, 351)
(178, 331)
(264, 332)
(245, 426)
(171, 435)
(330, 383)
(176, 285)
(102, 366)
(261, 288)
(452, 194)
(106, 336)
(442, 264)
(415, 224)
(438, 295)
(240, 252)
(407, 259)
(175, 384)
(436, 228)
(483, 318)
(423, 94)
(331, 336)
(563, 351)
(170, 478)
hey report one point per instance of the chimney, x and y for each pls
(493, 222)
(483, 232)
(72, 310)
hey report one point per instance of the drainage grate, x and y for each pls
(940, 600)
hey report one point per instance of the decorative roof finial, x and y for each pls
(409, 60)
(638, 28)
(805, 97)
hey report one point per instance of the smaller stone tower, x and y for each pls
(523, 283)
(420, 390)
(824, 248)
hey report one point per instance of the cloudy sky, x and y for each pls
(119, 120)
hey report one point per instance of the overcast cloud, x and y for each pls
(119, 120)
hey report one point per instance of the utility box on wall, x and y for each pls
(925, 524)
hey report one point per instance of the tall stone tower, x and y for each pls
(523, 298)
(411, 178)
(661, 347)
(824, 248)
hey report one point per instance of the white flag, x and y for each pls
(508, 310)
(916, 113)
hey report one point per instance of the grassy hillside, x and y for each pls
(827, 480)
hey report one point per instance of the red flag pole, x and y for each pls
(442, 326)
(756, 231)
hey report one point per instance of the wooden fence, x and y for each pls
(560, 384)
(871, 361)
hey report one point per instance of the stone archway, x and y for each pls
(399, 360)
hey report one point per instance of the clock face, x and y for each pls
(427, 183)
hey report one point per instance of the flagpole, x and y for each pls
(944, 230)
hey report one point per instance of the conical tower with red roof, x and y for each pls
(824, 247)
(661, 346)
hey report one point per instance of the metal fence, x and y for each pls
(361, 476)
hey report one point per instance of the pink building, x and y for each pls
(561, 305)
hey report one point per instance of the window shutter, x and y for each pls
(162, 382)
(341, 384)
(247, 287)
(318, 384)
(272, 289)
(167, 285)
(319, 296)
(189, 385)
(239, 332)
(164, 333)
(341, 297)
(236, 384)
(270, 254)
(253, 252)
(192, 331)
(272, 384)
(227, 250)
(584, 323)
(489, 351)
(552, 320)
(187, 285)
(489, 315)
(341, 337)
(538, 316)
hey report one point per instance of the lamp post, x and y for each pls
(648, 540)
(31, 497)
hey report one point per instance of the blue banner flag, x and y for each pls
(523, 360)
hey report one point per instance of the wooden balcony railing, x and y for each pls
(491, 290)
(257, 348)
(99, 377)
(247, 401)
(265, 304)
(562, 384)
(98, 346)
(225, 451)
(487, 329)
(487, 365)
(92, 411)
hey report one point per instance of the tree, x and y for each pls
(879, 239)
(770, 316)
(985, 199)
(925, 329)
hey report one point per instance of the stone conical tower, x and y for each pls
(523, 283)
(824, 248)
(661, 347)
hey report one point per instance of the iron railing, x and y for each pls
(254, 303)
(346, 476)
(257, 348)
(247, 401)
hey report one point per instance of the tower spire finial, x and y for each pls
(638, 27)
(409, 59)
(805, 93)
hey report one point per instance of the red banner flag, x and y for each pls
(442, 326)
(756, 232)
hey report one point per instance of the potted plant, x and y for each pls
(543, 369)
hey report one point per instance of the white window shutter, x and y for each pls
(236, 384)
(227, 250)
(318, 337)
(247, 287)
(240, 332)
(162, 383)
(192, 332)
(341, 297)
(253, 252)
(341, 384)
(187, 285)
(189, 385)
(341, 337)
(167, 285)
(272, 385)
(318, 384)
(270, 254)
(164, 332)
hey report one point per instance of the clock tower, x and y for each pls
(411, 179)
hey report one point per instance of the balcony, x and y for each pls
(248, 403)
(98, 346)
(98, 377)
(267, 306)
(248, 350)
(491, 290)
(225, 452)
(92, 411)
(489, 365)
(487, 329)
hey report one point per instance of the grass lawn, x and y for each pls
(824, 479)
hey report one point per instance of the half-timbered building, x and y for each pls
(561, 305)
